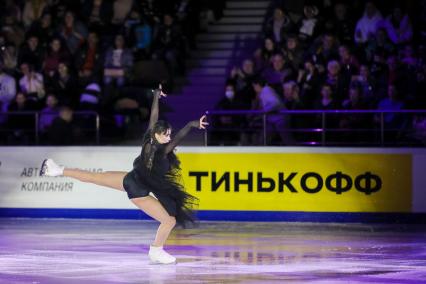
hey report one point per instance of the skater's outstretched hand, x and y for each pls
(200, 124)
(203, 123)
(160, 92)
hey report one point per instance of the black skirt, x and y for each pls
(134, 187)
(169, 193)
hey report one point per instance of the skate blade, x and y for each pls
(43, 168)
(151, 262)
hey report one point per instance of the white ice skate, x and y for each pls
(158, 255)
(50, 169)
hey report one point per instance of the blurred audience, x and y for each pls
(323, 55)
(83, 53)
(341, 55)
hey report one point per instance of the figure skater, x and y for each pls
(152, 184)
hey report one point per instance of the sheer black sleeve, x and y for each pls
(180, 135)
(154, 109)
(146, 149)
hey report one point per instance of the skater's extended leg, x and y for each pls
(110, 179)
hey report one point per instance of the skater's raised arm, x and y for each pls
(200, 124)
(154, 107)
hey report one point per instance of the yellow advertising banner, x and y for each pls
(313, 182)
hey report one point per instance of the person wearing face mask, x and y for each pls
(226, 127)
(230, 94)
(153, 184)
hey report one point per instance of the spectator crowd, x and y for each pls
(62, 56)
(59, 56)
(329, 55)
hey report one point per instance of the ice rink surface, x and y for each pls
(115, 251)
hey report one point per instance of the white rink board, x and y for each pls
(21, 187)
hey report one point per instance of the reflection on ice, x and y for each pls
(112, 251)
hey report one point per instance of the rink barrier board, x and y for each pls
(400, 169)
(241, 216)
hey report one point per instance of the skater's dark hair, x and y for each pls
(160, 127)
(152, 145)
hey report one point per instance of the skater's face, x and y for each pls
(163, 137)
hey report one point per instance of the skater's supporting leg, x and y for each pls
(154, 209)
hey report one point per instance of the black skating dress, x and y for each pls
(157, 170)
